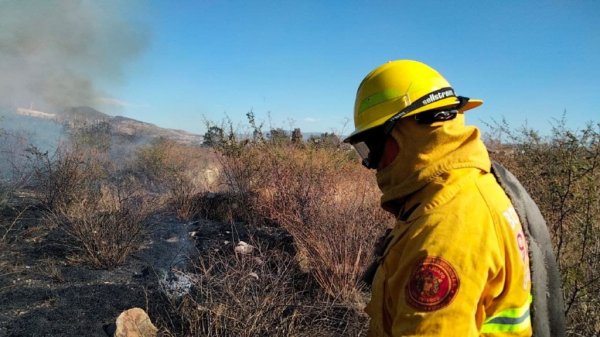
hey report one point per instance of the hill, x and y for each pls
(52, 126)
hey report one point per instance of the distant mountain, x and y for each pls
(132, 127)
(84, 113)
(78, 117)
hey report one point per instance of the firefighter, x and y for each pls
(456, 262)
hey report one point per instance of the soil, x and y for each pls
(43, 292)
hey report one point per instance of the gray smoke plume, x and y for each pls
(54, 53)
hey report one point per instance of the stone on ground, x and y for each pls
(135, 323)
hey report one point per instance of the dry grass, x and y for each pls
(319, 194)
(263, 294)
(330, 205)
(52, 270)
(106, 225)
(182, 173)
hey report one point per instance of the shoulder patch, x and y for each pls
(433, 284)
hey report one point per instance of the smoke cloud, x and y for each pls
(58, 53)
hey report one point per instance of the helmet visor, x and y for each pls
(370, 150)
(362, 149)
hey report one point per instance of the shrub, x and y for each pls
(59, 178)
(106, 224)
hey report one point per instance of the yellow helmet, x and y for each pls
(399, 89)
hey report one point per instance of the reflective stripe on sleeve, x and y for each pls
(509, 320)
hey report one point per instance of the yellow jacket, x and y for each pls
(457, 263)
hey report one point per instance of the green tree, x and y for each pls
(327, 140)
(214, 136)
(279, 136)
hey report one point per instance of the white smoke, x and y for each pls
(54, 53)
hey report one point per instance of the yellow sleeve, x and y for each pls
(437, 275)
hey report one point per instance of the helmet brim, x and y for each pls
(471, 104)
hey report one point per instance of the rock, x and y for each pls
(243, 248)
(135, 323)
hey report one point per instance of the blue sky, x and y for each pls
(300, 62)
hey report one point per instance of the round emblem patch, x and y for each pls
(432, 285)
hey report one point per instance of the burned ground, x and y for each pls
(44, 291)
